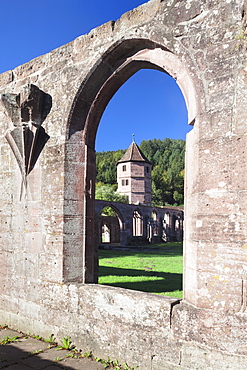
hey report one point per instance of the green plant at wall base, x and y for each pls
(107, 363)
(51, 339)
(66, 344)
(37, 337)
(126, 367)
(113, 364)
(73, 355)
(7, 340)
(37, 351)
(58, 359)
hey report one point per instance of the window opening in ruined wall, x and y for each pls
(109, 227)
(155, 223)
(137, 223)
(161, 227)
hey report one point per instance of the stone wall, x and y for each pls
(48, 255)
(169, 223)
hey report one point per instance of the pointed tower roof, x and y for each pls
(134, 154)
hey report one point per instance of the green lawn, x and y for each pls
(158, 270)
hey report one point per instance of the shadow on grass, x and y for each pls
(169, 249)
(168, 282)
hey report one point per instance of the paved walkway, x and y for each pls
(27, 353)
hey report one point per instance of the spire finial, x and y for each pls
(133, 138)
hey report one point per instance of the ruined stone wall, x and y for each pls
(167, 229)
(47, 212)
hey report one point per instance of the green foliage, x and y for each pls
(7, 340)
(106, 166)
(167, 157)
(37, 337)
(113, 364)
(37, 351)
(74, 355)
(107, 192)
(66, 344)
(58, 359)
(51, 339)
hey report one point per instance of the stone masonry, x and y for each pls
(168, 225)
(50, 111)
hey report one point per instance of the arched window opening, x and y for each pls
(179, 227)
(166, 227)
(173, 227)
(130, 58)
(155, 223)
(167, 219)
(137, 224)
(151, 105)
(109, 227)
(147, 229)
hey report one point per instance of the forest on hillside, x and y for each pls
(167, 158)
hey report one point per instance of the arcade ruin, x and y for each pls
(51, 108)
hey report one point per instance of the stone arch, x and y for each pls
(113, 69)
(155, 222)
(179, 226)
(166, 226)
(137, 223)
(120, 216)
(154, 215)
(109, 227)
(167, 219)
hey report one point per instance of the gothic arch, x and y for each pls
(115, 67)
(116, 210)
(137, 225)
(112, 70)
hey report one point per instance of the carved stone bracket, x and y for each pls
(27, 111)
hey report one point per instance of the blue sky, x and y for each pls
(149, 104)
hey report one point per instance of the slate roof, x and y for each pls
(134, 154)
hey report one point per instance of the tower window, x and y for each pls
(125, 182)
(124, 167)
(147, 169)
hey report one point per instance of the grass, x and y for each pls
(157, 270)
(7, 340)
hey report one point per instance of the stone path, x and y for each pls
(29, 353)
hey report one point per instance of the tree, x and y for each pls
(107, 192)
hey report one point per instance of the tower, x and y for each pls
(134, 176)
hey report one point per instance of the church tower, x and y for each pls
(134, 176)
